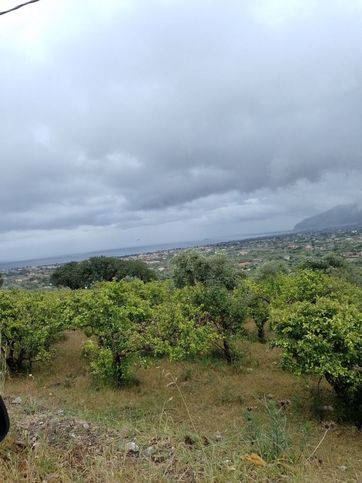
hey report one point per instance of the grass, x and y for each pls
(188, 420)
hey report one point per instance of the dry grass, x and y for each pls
(195, 426)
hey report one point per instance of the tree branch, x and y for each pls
(18, 6)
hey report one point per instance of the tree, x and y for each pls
(134, 269)
(271, 270)
(257, 299)
(83, 274)
(226, 310)
(30, 322)
(191, 268)
(1, 280)
(132, 320)
(260, 292)
(318, 325)
(214, 279)
(331, 263)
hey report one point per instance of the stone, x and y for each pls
(132, 448)
(150, 451)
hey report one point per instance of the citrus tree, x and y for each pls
(30, 322)
(318, 325)
(132, 320)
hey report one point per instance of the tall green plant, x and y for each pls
(30, 323)
(318, 325)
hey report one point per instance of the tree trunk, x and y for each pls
(119, 369)
(228, 352)
(261, 333)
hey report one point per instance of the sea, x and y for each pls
(116, 252)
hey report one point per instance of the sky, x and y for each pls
(138, 122)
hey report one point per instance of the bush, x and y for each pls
(29, 325)
(318, 326)
(83, 274)
(192, 268)
(132, 321)
(271, 439)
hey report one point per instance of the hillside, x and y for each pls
(342, 215)
(192, 429)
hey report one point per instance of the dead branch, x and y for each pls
(18, 6)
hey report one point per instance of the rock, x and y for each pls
(52, 478)
(150, 451)
(83, 423)
(132, 448)
(327, 408)
(17, 400)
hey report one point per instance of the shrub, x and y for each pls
(83, 274)
(192, 268)
(269, 439)
(132, 320)
(318, 326)
(29, 325)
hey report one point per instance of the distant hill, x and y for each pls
(342, 215)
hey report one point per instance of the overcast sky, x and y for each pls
(144, 121)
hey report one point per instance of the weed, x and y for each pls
(271, 439)
(229, 396)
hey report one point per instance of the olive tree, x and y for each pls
(215, 279)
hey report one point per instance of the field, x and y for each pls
(178, 380)
(188, 422)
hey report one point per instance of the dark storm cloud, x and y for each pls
(140, 112)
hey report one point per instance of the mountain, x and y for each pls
(342, 215)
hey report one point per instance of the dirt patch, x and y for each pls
(33, 423)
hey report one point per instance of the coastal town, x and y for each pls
(289, 249)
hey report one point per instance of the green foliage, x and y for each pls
(132, 320)
(135, 269)
(334, 265)
(257, 301)
(1, 280)
(269, 439)
(271, 270)
(318, 325)
(29, 325)
(329, 263)
(259, 292)
(83, 274)
(102, 366)
(214, 280)
(191, 268)
(226, 311)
